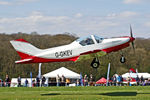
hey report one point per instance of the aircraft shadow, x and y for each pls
(106, 94)
(50, 94)
(119, 94)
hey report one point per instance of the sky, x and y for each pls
(105, 18)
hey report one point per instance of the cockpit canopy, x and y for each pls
(98, 39)
(89, 40)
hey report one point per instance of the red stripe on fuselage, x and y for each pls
(43, 60)
(89, 52)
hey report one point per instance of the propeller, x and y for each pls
(132, 38)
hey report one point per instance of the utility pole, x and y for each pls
(39, 74)
(108, 74)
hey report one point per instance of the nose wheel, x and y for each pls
(95, 63)
(122, 59)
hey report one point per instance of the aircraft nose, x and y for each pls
(132, 39)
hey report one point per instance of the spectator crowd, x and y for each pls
(115, 80)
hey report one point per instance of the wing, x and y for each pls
(92, 55)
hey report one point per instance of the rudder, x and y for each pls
(24, 48)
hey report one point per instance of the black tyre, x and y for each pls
(95, 63)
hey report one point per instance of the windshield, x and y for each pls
(85, 41)
(98, 39)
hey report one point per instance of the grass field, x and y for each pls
(76, 93)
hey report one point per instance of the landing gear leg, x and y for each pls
(95, 63)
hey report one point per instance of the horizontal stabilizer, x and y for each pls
(23, 61)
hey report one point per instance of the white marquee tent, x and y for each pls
(14, 82)
(62, 71)
(134, 75)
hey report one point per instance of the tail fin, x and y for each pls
(24, 48)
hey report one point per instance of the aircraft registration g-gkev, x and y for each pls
(72, 51)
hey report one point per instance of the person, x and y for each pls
(33, 83)
(58, 80)
(121, 81)
(117, 77)
(43, 81)
(7, 81)
(145, 82)
(148, 81)
(26, 83)
(19, 81)
(114, 80)
(142, 79)
(118, 80)
(128, 81)
(85, 80)
(3, 83)
(91, 79)
(77, 82)
(63, 80)
(137, 80)
(37, 81)
(67, 81)
(0, 82)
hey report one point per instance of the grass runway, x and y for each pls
(76, 93)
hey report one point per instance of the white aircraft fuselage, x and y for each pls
(70, 52)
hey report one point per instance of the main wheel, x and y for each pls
(122, 59)
(95, 63)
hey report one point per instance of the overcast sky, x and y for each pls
(106, 18)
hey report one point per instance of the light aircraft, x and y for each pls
(72, 51)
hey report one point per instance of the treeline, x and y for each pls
(140, 59)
